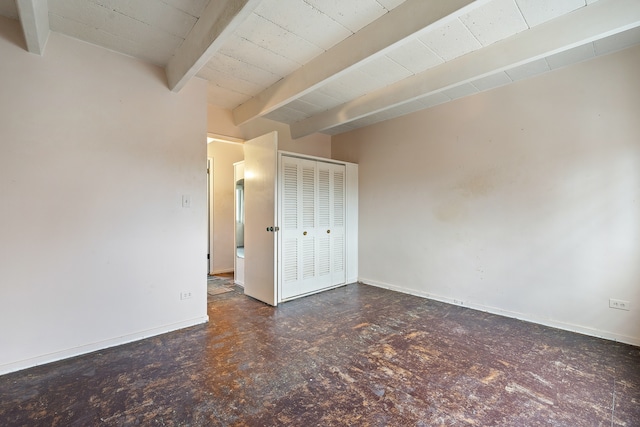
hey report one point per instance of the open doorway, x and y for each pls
(222, 153)
(239, 200)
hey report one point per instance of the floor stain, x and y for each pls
(353, 356)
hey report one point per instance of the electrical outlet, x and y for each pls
(185, 295)
(619, 304)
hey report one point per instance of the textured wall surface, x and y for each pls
(96, 155)
(523, 200)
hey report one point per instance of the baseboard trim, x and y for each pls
(221, 271)
(506, 313)
(100, 345)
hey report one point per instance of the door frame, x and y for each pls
(238, 266)
(210, 195)
(214, 137)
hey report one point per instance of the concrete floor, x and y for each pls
(353, 356)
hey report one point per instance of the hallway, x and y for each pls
(356, 355)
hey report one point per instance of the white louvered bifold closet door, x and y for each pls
(298, 228)
(312, 227)
(331, 224)
(289, 226)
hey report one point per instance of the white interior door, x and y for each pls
(260, 169)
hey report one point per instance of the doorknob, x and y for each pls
(304, 233)
(328, 231)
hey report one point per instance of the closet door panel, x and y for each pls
(290, 228)
(338, 202)
(309, 224)
(324, 225)
(298, 231)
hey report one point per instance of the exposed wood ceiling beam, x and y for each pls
(219, 20)
(373, 40)
(598, 20)
(34, 17)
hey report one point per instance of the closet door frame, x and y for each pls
(351, 220)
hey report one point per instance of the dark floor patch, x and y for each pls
(217, 285)
(356, 356)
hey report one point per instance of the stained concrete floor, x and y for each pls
(219, 284)
(353, 356)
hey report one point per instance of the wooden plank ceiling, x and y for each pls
(334, 65)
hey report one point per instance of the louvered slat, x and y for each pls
(324, 198)
(290, 265)
(308, 258)
(338, 198)
(324, 256)
(338, 253)
(290, 197)
(308, 196)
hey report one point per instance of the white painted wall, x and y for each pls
(524, 200)
(95, 154)
(224, 156)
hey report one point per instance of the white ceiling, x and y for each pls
(336, 65)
